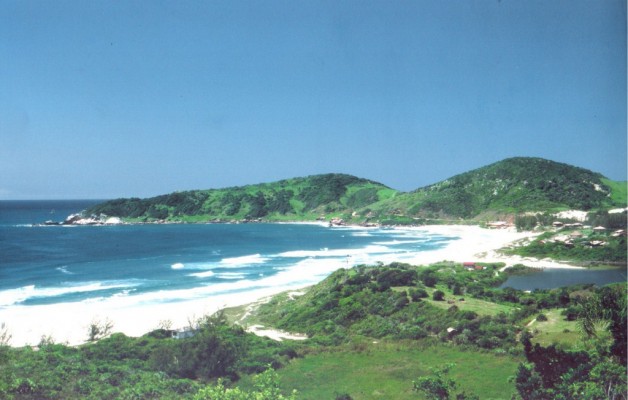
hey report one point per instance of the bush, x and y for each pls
(438, 295)
(429, 279)
(418, 294)
(266, 388)
(541, 318)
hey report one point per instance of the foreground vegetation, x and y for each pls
(387, 369)
(396, 331)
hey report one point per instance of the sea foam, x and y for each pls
(16, 296)
(244, 260)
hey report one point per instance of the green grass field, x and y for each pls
(619, 191)
(386, 371)
(556, 330)
(481, 307)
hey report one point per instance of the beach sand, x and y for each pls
(69, 322)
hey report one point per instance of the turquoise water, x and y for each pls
(147, 264)
(166, 263)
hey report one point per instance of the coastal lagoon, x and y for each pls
(550, 278)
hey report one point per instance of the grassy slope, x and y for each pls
(619, 192)
(556, 330)
(385, 370)
(481, 307)
(370, 368)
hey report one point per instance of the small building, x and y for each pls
(469, 266)
(599, 229)
(557, 224)
(183, 333)
(618, 233)
(472, 266)
(497, 224)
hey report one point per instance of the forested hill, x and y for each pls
(509, 186)
(305, 198)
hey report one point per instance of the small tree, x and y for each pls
(99, 329)
(438, 295)
(5, 335)
(439, 387)
(266, 388)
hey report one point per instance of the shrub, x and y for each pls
(438, 295)
(418, 294)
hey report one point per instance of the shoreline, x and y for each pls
(69, 322)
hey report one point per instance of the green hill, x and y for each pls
(510, 186)
(291, 199)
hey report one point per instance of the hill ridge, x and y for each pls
(513, 185)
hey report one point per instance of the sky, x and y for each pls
(103, 99)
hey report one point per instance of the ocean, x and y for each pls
(153, 264)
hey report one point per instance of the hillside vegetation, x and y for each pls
(510, 186)
(290, 199)
(513, 185)
(397, 331)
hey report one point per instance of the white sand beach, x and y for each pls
(69, 322)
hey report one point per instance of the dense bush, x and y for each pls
(438, 295)
(154, 366)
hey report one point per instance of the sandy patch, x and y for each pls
(275, 334)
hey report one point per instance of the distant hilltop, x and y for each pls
(505, 188)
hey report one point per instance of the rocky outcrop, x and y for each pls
(80, 219)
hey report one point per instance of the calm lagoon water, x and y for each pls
(553, 278)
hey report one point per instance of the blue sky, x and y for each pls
(139, 98)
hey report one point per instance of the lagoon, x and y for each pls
(551, 278)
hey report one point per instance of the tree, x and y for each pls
(429, 279)
(266, 388)
(5, 335)
(213, 351)
(99, 329)
(438, 295)
(529, 384)
(607, 309)
(438, 387)
(599, 373)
